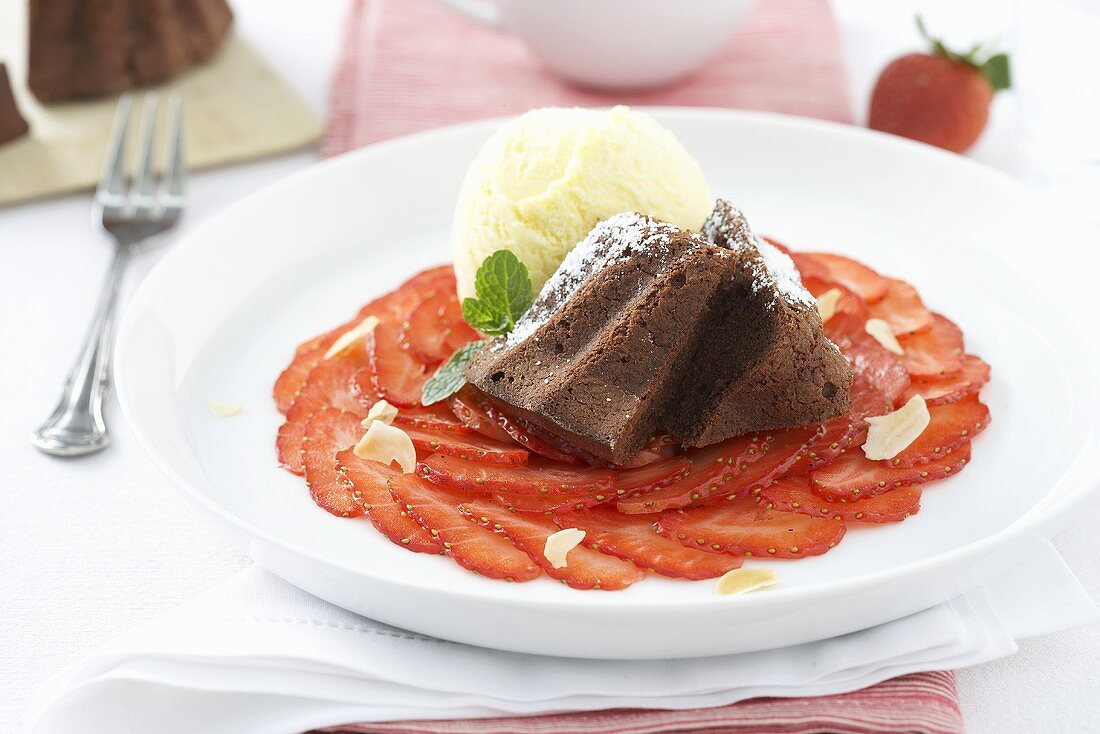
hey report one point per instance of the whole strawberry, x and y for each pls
(941, 98)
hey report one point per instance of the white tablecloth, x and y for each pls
(91, 547)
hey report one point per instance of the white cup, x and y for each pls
(615, 44)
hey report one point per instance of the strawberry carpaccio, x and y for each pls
(489, 490)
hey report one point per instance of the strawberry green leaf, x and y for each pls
(994, 67)
(996, 70)
(450, 377)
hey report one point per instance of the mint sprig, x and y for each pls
(993, 66)
(504, 294)
(450, 377)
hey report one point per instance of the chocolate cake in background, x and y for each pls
(646, 328)
(90, 48)
(12, 124)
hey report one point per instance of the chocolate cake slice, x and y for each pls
(646, 328)
(780, 368)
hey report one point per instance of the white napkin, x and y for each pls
(255, 655)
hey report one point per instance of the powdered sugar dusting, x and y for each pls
(611, 241)
(727, 227)
(788, 281)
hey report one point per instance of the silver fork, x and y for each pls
(131, 209)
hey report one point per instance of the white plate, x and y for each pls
(220, 316)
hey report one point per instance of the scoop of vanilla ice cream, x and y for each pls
(546, 178)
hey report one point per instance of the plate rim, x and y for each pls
(1044, 517)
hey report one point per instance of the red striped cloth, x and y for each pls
(921, 703)
(410, 65)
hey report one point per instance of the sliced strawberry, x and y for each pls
(370, 487)
(547, 504)
(307, 355)
(783, 451)
(844, 271)
(537, 477)
(315, 343)
(949, 388)
(529, 436)
(466, 406)
(853, 476)
(712, 468)
(472, 546)
(867, 400)
(586, 569)
(836, 436)
(902, 309)
(459, 333)
(633, 538)
(311, 352)
(289, 444)
(471, 447)
(872, 365)
(636, 482)
(424, 333)
(397, 376)
(951, 425)
(810, 267)
(396, 305)
(743, 528)
(331, 384)
(436, 417)
(436, 327)
(793, 495)
(291, 379)
(935, 351)
(327, 433)
(628, 483)
(848, 303)
(661, 446)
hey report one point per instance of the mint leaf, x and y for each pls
(450, 377)
(503, 293)
(484, 318)
(996, 70)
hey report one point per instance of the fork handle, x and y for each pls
(76, 425)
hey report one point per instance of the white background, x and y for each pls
(93, 546)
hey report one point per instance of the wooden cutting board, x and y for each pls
(235, 108)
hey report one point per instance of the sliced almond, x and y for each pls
(826, 304)
(219, 409)
(387, 444)
(382, 412)
(888, 435)
(347, 340)
(741, 580)
(884, 335)
(560, 543)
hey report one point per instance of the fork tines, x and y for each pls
(147, 192)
